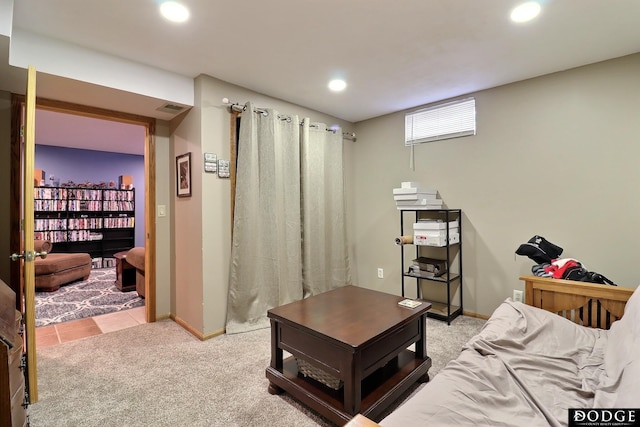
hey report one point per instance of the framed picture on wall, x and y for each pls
(183, 175)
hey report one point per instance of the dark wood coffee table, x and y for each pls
(357, 335)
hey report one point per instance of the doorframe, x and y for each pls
(15, 206)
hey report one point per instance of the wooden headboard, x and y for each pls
(587, 304)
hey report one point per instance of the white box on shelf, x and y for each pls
(438, 240)
(418, 197)
(434, 225)
(420, 208)
(416, 190)
(435, 233)
(420, 202)
(409, 184)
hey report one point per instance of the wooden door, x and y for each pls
(25, 253)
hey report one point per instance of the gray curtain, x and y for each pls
(289, 239)
(325, 263)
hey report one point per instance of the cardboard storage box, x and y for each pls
(426, 238)
(126, 182)
(434, 225)
(39, 177)
(435, 233)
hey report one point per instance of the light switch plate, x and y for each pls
(210, 162)
(223, 168)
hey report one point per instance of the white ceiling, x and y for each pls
(73, 131)
(394, 54)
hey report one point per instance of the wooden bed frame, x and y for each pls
(587, 304)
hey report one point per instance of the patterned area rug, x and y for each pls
(89, 298)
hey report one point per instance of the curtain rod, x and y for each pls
(234, 106)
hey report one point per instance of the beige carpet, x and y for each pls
(160, 375)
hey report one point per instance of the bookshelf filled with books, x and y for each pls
(98, 221)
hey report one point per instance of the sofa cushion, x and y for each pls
(59, 262)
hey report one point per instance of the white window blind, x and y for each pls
(451, 120)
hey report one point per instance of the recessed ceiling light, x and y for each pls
(174, 11)
(525, 12)
(337, 85)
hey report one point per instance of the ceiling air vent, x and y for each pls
(170, 108)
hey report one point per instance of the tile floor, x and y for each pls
(47, 336)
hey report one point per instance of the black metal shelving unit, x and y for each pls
(445, 311)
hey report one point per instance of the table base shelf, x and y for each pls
(379, 390)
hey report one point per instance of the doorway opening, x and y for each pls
(89, 204)
(67, 111)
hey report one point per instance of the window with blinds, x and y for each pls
(444, 121)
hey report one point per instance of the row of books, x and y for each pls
(100, 262)
(49, 193)
(84, 236)
(50, 205)
(49, 224)
(82, 205)
(85, 205)
(118, 206)
(54, 193)
(52, 236)
(118, 195)
(84, 223)
(121, 222)
(411, 196)
(85, 194)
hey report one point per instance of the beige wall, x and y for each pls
(188, 226)
(555, 156)
(5, 187)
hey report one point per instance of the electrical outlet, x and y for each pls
(380, 273)
(518, 295)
